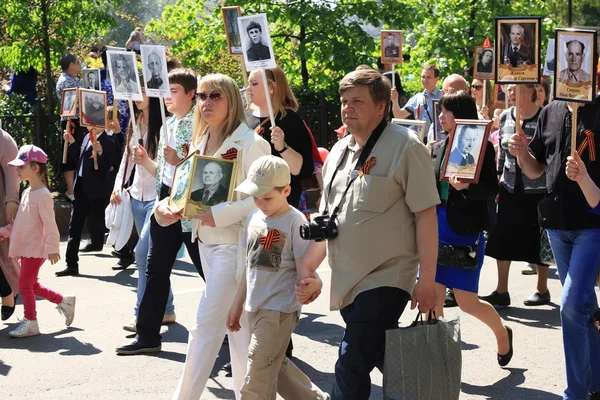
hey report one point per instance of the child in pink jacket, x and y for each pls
(34, 238)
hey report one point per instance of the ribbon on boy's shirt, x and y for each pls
(588, 143)
(272, 237)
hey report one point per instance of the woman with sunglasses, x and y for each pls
(290, 139)
(220, 131)
(517, 235)
(484, 106)
(462, 218)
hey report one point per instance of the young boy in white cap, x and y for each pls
(274, 247)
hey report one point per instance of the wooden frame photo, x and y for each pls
(92, 111)
(414, 125)
(575, 73)
(124, 77)
(91, 78)
(518, 42)
(483, 63)
(232, 30)
(68, 103)
(201, 182)
(391, 47)
(466, 150)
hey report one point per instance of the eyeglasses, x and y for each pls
(476, 87)
(214, 96)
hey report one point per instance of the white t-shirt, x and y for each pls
(273, 244)
(169, 170)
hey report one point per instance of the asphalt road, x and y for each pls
(79, 362)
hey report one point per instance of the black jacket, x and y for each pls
(467, 210)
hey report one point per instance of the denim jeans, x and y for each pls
(577, 255)
(141, 215)
(363, 346)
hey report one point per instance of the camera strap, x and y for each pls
(366, 151)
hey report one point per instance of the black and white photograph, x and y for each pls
(518, 50)
(391, 47)
(575, 75)
(232, 30)
(154, 68)
(549, 63)
(483, 64)
(181, 184)
(437, 127)
(93, 108)
(256, 42)
(414, 125)
(466, 150)
(124, 77)
(91, 78)
(68, 104)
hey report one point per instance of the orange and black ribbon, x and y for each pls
(185, 149)
(364, 170)
(92, 141)
(272, 237)
(588, 143)
(230, 154)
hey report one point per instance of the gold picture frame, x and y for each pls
(518, 42)
(414, 125)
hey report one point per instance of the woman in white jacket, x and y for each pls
(220, 131)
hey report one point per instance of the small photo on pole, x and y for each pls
(483, 63)
(391, 47)
(575, 74)
(256, 42)
(154, 68)
(518, 50)
(550, 62)
(91, 78)
(68, 104)
(232, 30)
(93, 108)
(122, 66)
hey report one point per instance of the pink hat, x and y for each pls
(29, 153)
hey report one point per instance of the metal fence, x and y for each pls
(44, 131)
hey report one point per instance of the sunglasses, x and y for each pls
(476, 87)
(214, 96)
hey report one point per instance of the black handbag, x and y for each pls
(463, 257)
(549, 211)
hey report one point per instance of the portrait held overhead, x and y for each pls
(550, 62)
(91, 79)
(69, 103)
(575, 65)
(391, 47)
(154, 67)
(256, 42)
(466, 149)
(124, 77)
(518, 49)
(483, 67)
(93, 108)
(232, 30)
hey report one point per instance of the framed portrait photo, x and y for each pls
(92, 111)
(122, 66)
(500, 96)
(575, 73)
(201, 182)
(154, 68)
(483, 63)
(518, 50)
(437, 126)
(256, 42)
(91, 78)
(232, 30)
(391, 47)
(68, 103)
(466, 149)
(414, 125)
(549, 63)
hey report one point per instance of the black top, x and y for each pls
(551, 145)
(297, 138)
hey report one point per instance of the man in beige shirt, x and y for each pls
(387, 227)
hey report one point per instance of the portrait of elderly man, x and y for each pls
(182, 180)
(155, 67)
(485, 61)
(574, 54)
(213, 192)
(515, 52)
(257, 51)
(466, 141)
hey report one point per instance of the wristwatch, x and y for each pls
(285, 147)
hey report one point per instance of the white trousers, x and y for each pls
(219, 263)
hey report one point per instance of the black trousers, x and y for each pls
(165, 243)
(5, 289)
(83, 208)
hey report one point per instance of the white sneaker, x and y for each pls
(67, 308)
(131, 325)
(26, 328)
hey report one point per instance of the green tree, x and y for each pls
(36, 33)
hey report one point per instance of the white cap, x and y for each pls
(266, 173)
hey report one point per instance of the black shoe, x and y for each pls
(538, 299)
(91, 247)
(7, 311)
(115, 253)
(450, 301)
(123, 263)
(69, 271)
(136, 347)
(227, 369)
(498, 300)
(504, 359)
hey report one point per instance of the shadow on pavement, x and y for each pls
(175, 333)
(534, 316)
(123, 277)
(4, 368)
(49, 343)
(468, 346)
(508, 388)
(319, 331)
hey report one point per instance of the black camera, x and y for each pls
(321, 229)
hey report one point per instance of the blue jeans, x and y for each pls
(577, 255)
(141, 215)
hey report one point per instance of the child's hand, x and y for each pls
(233, 318)
(576, 169)
(308, 290)
(53, 258)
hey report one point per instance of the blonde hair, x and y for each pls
(236, 114)
(282, 99)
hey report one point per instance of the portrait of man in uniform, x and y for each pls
(155, 66)
(257, 50)
(213, 191)
(516, 52)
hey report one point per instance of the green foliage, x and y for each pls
(14, 105)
